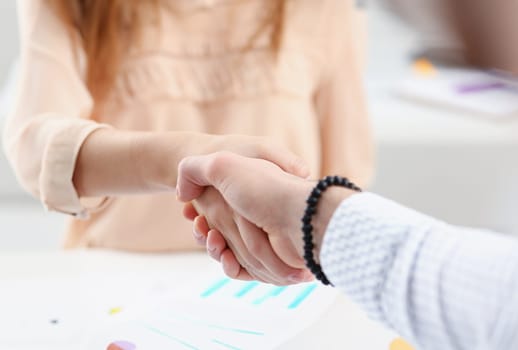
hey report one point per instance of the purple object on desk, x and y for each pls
(122, 345)
(481, 87)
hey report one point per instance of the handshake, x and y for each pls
(247, 212)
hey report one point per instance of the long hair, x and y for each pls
(106, 28)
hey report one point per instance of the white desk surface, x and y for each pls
(343, 326)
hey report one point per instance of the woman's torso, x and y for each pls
(194, 72)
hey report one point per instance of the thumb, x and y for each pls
(197, 172)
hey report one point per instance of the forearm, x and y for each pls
(113, 162)
(438, 285)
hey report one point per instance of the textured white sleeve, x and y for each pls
(439, 286)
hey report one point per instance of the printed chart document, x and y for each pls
(88, 300)
(220, 314)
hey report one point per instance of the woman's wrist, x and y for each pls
(159, 153)
(162, 152)
(106, 166)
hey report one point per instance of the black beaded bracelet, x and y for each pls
(311, 210)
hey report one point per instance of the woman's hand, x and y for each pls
(262, 194)
(256, 147)
(171, 148)
(115, 162)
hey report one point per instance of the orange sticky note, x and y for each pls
(424, 68)
(400, 344)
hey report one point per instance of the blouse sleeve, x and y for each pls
(50, 118)
(345, 132)
(439, 286)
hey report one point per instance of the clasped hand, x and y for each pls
(247, 212)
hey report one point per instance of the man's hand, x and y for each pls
(265, 205)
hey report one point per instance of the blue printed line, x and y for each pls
(228, 346)
(247, 288)
(214, 288)
(303, 295)
(215, 326)
(278, 290)
(237, 330)
(169, 336)
(272, 293)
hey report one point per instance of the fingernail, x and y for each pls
(177, 193)
(122, 345)
(196, 234)
(296, 277)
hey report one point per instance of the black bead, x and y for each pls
(310, 211)
(309, 246)
(308, 240)
(308, 243)
(307, 228)
(336, 180)
(328, 180)
(322, 186)
(316, 192)
(312, 201)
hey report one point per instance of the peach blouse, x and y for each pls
(188, 74)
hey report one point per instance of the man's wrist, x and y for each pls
(328, 203)
(326, 207)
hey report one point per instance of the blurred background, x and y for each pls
(443, 105)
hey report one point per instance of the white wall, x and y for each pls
(8, 35)
(8, 54)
